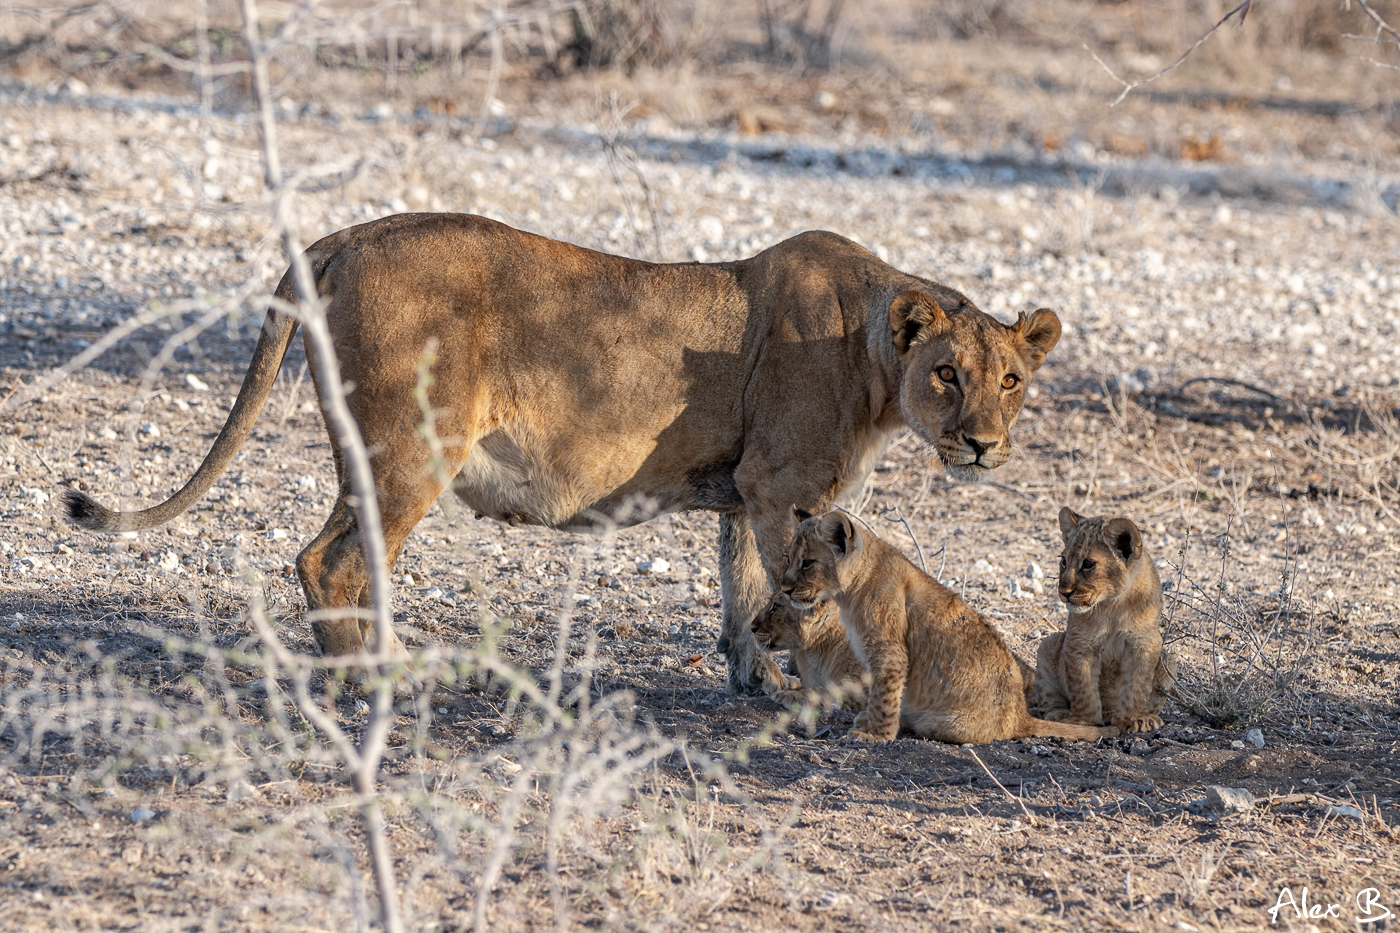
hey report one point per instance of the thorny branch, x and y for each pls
(311, 312)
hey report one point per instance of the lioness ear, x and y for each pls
(840, 533)
(1040, 330)
(1123, 536)
(1068, 519)
(910, 314)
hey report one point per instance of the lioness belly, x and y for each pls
(504, 480)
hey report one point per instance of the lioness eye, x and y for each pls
(948, 375)
(1088, 564)
(1010, 381)
(807, 564)
(1062, 563)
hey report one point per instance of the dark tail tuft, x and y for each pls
(85, 511)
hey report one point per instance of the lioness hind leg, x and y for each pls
(744, 591)
(333, 571)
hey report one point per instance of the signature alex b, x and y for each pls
(1369, 907)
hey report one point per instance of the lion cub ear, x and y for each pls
(799, 516)
(911, 313)
(1040, 331)
(1068, 519)
(1123, 536)
(840, 532)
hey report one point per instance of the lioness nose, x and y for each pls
(979, 445)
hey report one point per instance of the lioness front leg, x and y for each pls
(744, 591)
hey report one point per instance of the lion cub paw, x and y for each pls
(1147, 723)
(793, 694)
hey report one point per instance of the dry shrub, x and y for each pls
(1240, 655)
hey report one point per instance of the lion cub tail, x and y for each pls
(1066, 730)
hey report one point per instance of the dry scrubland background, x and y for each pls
(1221, 247)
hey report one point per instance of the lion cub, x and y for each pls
(937, 667)
(824, 660)
(1107, 665)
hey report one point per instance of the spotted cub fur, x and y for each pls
(825, 663)
(937, 668)
(1107, 666)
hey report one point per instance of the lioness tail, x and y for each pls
(277, 332)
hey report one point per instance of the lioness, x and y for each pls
(1107, 665)
(572, 384)
(937, 667)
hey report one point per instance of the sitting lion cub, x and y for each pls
(936, 666)
(823, 658)
(1107, 665)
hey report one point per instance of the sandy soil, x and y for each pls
(1226, 379)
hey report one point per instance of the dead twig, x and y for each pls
(1019, 802)
(1129, 86)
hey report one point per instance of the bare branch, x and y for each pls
(1129, 86)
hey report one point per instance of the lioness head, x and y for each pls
(1097, 558)
(782, 626)
(823, 546)
(965, 376)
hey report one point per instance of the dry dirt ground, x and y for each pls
(1226, 379)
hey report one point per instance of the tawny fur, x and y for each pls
(937, 668)
(573, 388)
(1107, 666)
(827, 668)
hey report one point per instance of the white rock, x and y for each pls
(982, 566)
(306, 484)
(1034, 572)
(1255, 737)
(277, 534)
(169, 562)
(658, 566)
(34, 496)
(196, 383)
(1342, 810)
(712, 229)
(149, 429)
(1220, 800)
(142, 814)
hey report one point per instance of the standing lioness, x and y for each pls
(571, 383)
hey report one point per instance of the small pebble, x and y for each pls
(142, 814)
(1255, 737)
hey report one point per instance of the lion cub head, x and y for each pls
(965, 377)
(823, 546)
(783, 626)
(1098, 559)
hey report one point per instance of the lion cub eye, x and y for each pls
(948, 374)
(807, 564)
(1062, 563)
(1010, 381)
(1088, 564)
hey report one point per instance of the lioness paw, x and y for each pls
(856, 735)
